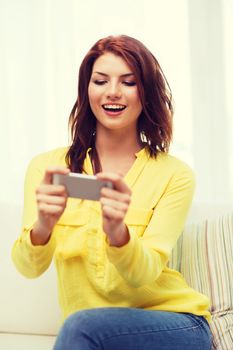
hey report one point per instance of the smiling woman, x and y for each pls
(120, 69)
(115, 287)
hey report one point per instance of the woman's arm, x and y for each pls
(142, 260)
(44, 203)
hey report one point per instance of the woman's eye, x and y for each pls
(100, 82)
(129, 83)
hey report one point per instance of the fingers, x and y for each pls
(113, 209)
(113, 194)
(58, 190)
(118, 206)
(46, 188)
(117, 181)
(48, 209)
(48, 176)
(57, 200)
(113, 214)
(115, 202)
(51, 199)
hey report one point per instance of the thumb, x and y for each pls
(48, 176)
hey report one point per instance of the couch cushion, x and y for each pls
(27, 305)
(25, 342)
(204, 255)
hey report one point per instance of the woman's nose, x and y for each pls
(113, 91)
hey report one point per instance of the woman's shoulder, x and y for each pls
(52, 157)
(172, 161)
(170, 165)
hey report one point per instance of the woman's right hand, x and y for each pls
(51, 202)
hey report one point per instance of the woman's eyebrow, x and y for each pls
(122, 75)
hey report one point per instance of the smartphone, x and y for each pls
(81, 185)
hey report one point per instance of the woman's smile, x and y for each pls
(113, 109)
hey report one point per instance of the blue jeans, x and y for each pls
(133, 329)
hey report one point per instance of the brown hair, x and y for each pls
(155, 120)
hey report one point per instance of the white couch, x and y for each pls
(29, 312)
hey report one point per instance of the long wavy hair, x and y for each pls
(155, 121)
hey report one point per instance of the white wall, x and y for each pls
(43, 42)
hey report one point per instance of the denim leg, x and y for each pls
(133, 329)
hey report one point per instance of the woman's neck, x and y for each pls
(117, 143)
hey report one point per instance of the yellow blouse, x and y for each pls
(93, 274)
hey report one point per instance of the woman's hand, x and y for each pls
(115, 203)
(51, 202)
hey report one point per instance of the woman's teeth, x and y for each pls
(114, 107)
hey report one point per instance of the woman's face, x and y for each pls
(113, 93)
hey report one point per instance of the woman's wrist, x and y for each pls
(120, 238)
(40, 235)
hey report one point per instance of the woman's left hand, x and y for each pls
(115, 203)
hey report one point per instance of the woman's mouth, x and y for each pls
(113, 108)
